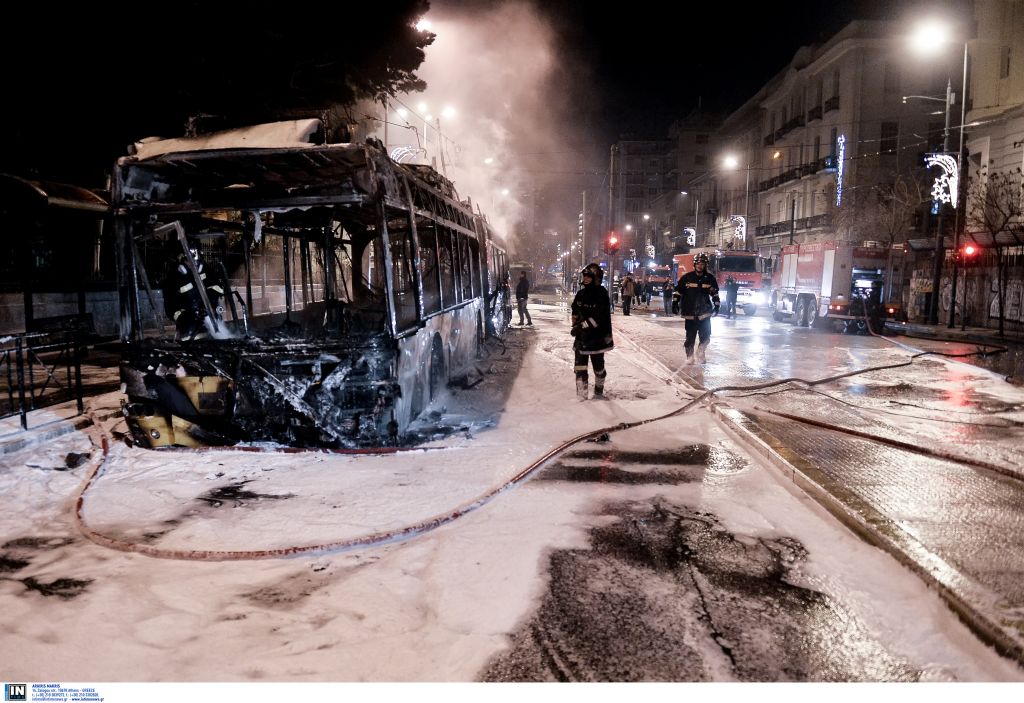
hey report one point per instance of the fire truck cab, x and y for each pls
(745, 267)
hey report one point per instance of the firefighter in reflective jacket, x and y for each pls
(698, 303)
(182, 300)
(592, 329)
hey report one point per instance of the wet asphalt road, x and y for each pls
(726, 608)
(666, 593)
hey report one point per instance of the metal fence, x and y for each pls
(39, 369)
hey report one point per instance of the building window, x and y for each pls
(817, 147)
(833, 136)
(835, 83)
(701, 138)
(1004, 62)
(700, 160)
(889, 138)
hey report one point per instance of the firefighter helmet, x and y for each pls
(594, 271)
(701, 258)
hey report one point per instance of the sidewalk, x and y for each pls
(54, 421)
(1009, 364)
(980, 335)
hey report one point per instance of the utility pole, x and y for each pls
(933, 314)
(583, 231)
(792, 218)
(962, 203)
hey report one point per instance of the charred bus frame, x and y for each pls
(356, 288)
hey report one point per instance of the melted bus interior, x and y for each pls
(333, 262)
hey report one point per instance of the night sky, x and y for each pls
(627, 69)
(654, 65)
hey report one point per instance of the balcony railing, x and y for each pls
(820, 165)
(832, 103)
(804, 223)
(814, 113)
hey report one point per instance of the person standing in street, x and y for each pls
(592, 330)
(522, 297)
(666, 296)
(628, 291)
(732, 289)
(698, 303)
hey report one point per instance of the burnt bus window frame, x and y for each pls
(429, 266)
(404, 286)
(466, 276)
(446, 267)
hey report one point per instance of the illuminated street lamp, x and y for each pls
(929, 39)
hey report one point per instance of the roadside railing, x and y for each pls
(39, 369)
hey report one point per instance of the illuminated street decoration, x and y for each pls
(946, 185)
(691, 236)
(650, 250)
(840, 159)
(741, 226)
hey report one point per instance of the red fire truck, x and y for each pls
(842, 283)
(745, 267)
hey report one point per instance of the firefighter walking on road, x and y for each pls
(698, 303)
(592, 330)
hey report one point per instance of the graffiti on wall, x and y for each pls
(1014, 307)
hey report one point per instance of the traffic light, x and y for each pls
(967, 254)
(612, 243)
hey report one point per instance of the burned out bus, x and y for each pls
(330, 292)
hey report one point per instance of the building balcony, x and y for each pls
(832, 103)
(814, 113)
(804, 223)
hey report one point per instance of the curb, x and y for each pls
(958, 590)
(23, 439)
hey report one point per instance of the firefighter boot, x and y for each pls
(701, 352)
(689, 355)
(599, 385)
(581, 388)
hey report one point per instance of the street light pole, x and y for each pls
(696, 210)
(961, 202)
(746, 209)
(933, 315)
(732, 162)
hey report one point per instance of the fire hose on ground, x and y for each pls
(429, 524)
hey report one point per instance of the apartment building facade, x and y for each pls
(845, 126)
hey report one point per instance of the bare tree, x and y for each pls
(882, 212)
(995, 207)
